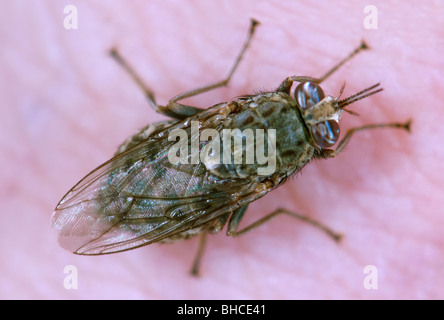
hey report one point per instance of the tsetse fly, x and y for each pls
(147, 193)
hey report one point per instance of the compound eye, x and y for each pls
(325, 133)
(308, 94)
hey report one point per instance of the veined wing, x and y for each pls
(139, 197)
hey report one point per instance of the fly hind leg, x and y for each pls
(233, 225)
(213, 227)
(174, 109)
(171, 110)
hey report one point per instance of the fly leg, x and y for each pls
(362, 46)
(215, 227)
(233, 223)
(329, 153)
(286, 84)
(177, 113)
(200, 250)
(174, 109)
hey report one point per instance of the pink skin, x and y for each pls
(67, 105)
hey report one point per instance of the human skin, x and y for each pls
(66, 106)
